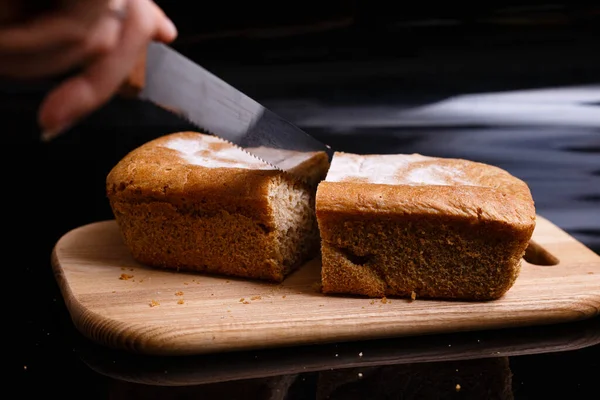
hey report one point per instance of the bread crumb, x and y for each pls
(185, 283)
(179, 293)
(457, 387)
(284, 296)
(384, 300)
(226, 281)
(114, 291)
(180, 301)
(590, 273)
(242, 300)
(256, 297)
(413, 296)
(125, 277)
(372, 301)
(228, 310)
(154, 303)
(246, 302)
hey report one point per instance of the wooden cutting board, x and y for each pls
(120, 303)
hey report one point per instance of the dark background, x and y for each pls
(357, 75)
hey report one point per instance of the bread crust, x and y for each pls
(493, 214)
(174, 213)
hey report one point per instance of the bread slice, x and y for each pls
(412, 225)
(194, 202)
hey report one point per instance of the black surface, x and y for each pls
(52, 188)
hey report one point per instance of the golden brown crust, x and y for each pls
(192, 210)
(440, 241)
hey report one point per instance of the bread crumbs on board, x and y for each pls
(413, 296)
(180, 301)
(256, 297)
(179, 293)
(125, 277)
(154, 303)
(384, 300)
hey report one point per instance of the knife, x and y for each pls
(168, 79)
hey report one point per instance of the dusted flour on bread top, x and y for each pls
(398, 169)
(212, 152)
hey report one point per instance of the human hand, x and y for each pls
(101, 39)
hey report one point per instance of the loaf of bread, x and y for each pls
(424, 227)
(191, 201)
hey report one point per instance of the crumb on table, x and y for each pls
(180, 301)
(179, 293)
(154, 303)
(413, 296)
(125, 277)
(258, 297)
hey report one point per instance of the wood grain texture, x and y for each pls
(196, 314)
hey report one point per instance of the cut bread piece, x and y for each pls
(194, 202)
(424, 227)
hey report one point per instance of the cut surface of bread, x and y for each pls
(191, 201)
(424, 227)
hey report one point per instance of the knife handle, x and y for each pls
(135, 81)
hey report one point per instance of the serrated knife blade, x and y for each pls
(176, 83)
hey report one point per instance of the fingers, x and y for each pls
(82, 94)
(40, 34)
(166, 31)
(103, 38)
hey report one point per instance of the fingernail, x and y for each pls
(50, 134)
(173, 28)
